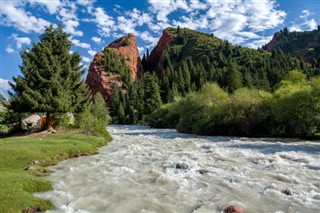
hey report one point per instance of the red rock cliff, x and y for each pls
(269, 47)
(155, 58)
(101, 80)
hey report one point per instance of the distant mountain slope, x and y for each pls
(185, 59)
(304, 45)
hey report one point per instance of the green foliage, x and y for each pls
(192, 59)
(95, 117)
(166, 116)
(126, 42)
(293, 110)
(51, 78)
(152, 99)
(17, 185)
(299, 44)
(295, 106)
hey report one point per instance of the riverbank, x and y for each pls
(23, 161)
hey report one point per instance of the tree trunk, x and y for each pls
(49, 121)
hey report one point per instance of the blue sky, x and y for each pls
(93, 24)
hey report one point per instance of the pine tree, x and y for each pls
(51, 77)
(234, 77)
(152, 99)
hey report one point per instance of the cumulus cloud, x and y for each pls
(9, 49)
(4, 84)
(68, 16)
(105, 23)
(147, 37)
(51, 6)
(304, 23)
(305, 14)
(259, 42)
(70, 27)
(92, 53)
(78, 43)
(85, 59)
(86, 2)
(96, 39)
(13, 14)
(20, 41)
(237, 21)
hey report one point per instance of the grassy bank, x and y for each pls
(23, 161)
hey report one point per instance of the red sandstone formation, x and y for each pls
(155, 58)
(273, 42)
(100, 80)
(127, 47)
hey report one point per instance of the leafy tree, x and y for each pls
(295, 106)
(51, 78)
(95, 117)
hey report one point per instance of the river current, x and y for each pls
(147, 170)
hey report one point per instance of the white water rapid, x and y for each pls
(147, 170)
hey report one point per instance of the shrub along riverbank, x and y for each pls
(23, 161)
(292, 110)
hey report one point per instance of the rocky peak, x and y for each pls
(124, 51)
(155, 58)
(127, 47)
(276, 37)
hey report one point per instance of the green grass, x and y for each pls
(17, 185)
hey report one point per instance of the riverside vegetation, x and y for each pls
(209, 86)
(51, 83)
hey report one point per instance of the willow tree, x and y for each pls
(51, 80)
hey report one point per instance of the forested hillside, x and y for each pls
(303, 45)
(184, 60)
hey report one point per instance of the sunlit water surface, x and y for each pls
(151, 170)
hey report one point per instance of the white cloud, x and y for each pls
(51, 6)
(187, 22)
(259, 42)
(70, 27)
(12, 14)
(238, 21)
(86, 2)
(166, 7)
(85, 59)
(68, 16)
(83, 45)
(9, 49)
(105, 23)
(4, 84)
(148, 38)
(305, 14)
(92, 53)
(20, 41)
(295, 28)
(126, 25)
(311, 24)
(141, 50)
(304, 23)
(96, 39)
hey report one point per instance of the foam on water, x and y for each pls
(151, 170)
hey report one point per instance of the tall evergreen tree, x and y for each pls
(234, 77)
(51, 80)
(152, 98)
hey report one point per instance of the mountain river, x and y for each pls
(147, 170)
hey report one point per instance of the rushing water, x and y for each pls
(150, 170)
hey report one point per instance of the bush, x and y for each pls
(164, 117)
(95, 118)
